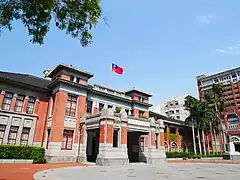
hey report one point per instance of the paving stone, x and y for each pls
(145, 172)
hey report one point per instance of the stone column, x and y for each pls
(123, 137)
(32, 132)
(82, 147)
(81, 111)
(19, 134)
(109, 155)
(156, 155)
(9, 122)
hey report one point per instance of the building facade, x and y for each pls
(74, 120)
(174, 108)
(231, 85)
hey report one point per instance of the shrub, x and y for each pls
(189, 155)
(22, 152)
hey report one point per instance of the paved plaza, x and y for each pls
(171, 171)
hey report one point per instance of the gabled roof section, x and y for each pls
(138, 92)
(25, 79)
(70, 68)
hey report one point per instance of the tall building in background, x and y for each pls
(231, 85)
(174, 108)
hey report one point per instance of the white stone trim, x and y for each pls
(138, 122)
(71, 90)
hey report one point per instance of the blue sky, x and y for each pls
(161, 44)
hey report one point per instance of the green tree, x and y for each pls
(191, 106)
(206, 116)
(215, 98)
(75, 17)
(218, 99)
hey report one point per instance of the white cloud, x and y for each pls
(231, 50)
(207, 19)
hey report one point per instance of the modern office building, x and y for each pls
(174, 108)
(231, 85)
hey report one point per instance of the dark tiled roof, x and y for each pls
(138, 91)
(160, 116)
(25, 79)
(69, 68)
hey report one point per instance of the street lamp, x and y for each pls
(79, 143)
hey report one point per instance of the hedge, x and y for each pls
(22, 152)
(189, 155)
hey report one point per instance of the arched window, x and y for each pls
(183, 147)
(174, 147)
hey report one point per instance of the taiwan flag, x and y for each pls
(117, 69)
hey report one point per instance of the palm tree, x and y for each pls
(218, 99)
(191, 106)
(208, 98)
(206, 115)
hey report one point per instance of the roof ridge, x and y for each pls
(30, 75)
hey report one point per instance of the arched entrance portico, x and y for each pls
(115, 139)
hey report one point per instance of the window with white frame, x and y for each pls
(25, 136)
(7, 101)
(19, 103)
(30, 105)
(71, 106)
(12, 137)
(67, 140)
(2, 132)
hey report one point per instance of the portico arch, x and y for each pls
(174, 147)
(183, 147)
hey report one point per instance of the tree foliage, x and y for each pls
(75, 17)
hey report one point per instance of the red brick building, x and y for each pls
(231, 85)
(50, 112)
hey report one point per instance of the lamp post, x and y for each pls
(79, 143)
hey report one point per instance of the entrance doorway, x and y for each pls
(237, 147)
(136, 145)
(92, 145)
